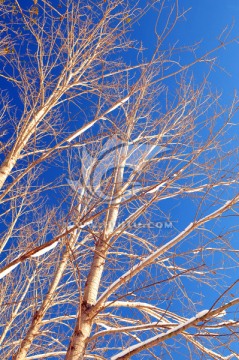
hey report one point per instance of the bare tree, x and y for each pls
(119, 178)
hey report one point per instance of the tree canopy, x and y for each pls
(118, 186)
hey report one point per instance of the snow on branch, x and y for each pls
(118, 104)
(150, 309)
(40, 250)
(81, 130)
(46, 355)
(161, 337)
(8, 270)
(45, 250)
(200, 316)
(134, 328)
(32, 253)
(204, 349)
(91, 123)
(177, 239)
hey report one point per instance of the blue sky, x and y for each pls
(204, 22)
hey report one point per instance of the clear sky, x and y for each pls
(204, 22)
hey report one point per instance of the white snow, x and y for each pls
(82, 130)
(85, 224)
(136, 268)
(121, 102)
(229, 357)
(162, 335)
(72, 226)
(219, 210)
(46, 355)
(222, 324)
(201, 313)
(149, 259)
(69, 227)
(221, 314)
(45, 250)
(196, 251)
(105, 326)
(8, 270)
(129, 304)
(156, 188)
(195, 190)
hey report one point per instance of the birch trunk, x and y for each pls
(80, 337)
(35, 326)
(25, 134)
